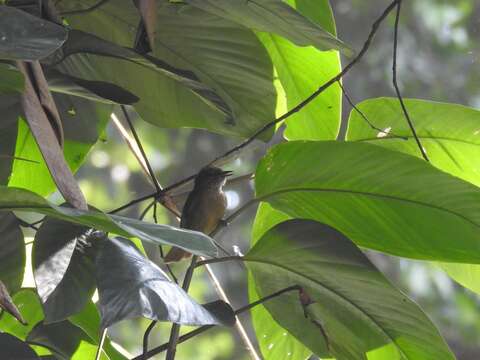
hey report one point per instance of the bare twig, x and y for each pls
(86, 10)
(388, 134)
(202, 329)
(100, 345)
(395, 85)
(219, 260)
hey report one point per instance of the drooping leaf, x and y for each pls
(48, 136)
(63, 274)
(83, 123)
(6, 303)
(192, 241)
(12, 80)
(274, 16)
(274, 340)
(380, 199)
(65, 340)
(14, 348)
(349, 311)
(130, 286)
(26, 37)
(100, 91)
(302, 70)
(28, 303)
(12, 252)
(449, 133)
(188, 38)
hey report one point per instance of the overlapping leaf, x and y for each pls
(192, 241)
(302, 70)
(12, 252)
(63, 274)
(380, 199)
(351, 302)
(26, 37)
(274, 16)
(188, 39)
(130, 286)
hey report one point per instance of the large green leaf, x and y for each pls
(8, 135)
(302, 70)
(12, 252)
(273, 16)
(275, 341)
(380, 199)
(239, 70)
(14, 348)
(351, 302)
(192, 241)
(449, 133)
(27, 37)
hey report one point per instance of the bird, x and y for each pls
(204, 208)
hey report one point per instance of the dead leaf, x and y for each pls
(37, 117)
(7, 304)
(148, 11)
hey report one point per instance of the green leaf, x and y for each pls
(350, 302)
(275, 341)
(89, 321)
(274, 16)
(14, 348)
(187, 38)
(83, 121)
(28, 303)
(380, 199)
(63, 274)
(12, 80)
(100, 91)
(27, 37)
(12, 252)
(302, 70)
(192, 241)
(130, 286)
(65, 340)
(449, 133)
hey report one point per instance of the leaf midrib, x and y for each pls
(373, 195)
(335, 294)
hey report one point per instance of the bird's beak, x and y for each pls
(227, 173)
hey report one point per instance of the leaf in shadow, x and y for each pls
(64, 275)
(100, 91)
(130, 286)
(13, 348)
(26, 37)
(12, 251)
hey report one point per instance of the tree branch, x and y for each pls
(395, 85)
(202, 329)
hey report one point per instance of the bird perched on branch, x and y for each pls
(204, 208)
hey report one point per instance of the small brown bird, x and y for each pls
(204, 208)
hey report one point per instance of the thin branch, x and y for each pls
(145, 338)
(219, 260)
(100, 345)
(395, 85)
(142, 151)
(388, 134)
(86, 10)
(202, 329)
(174, 333)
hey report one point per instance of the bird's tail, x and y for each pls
(175, 255)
